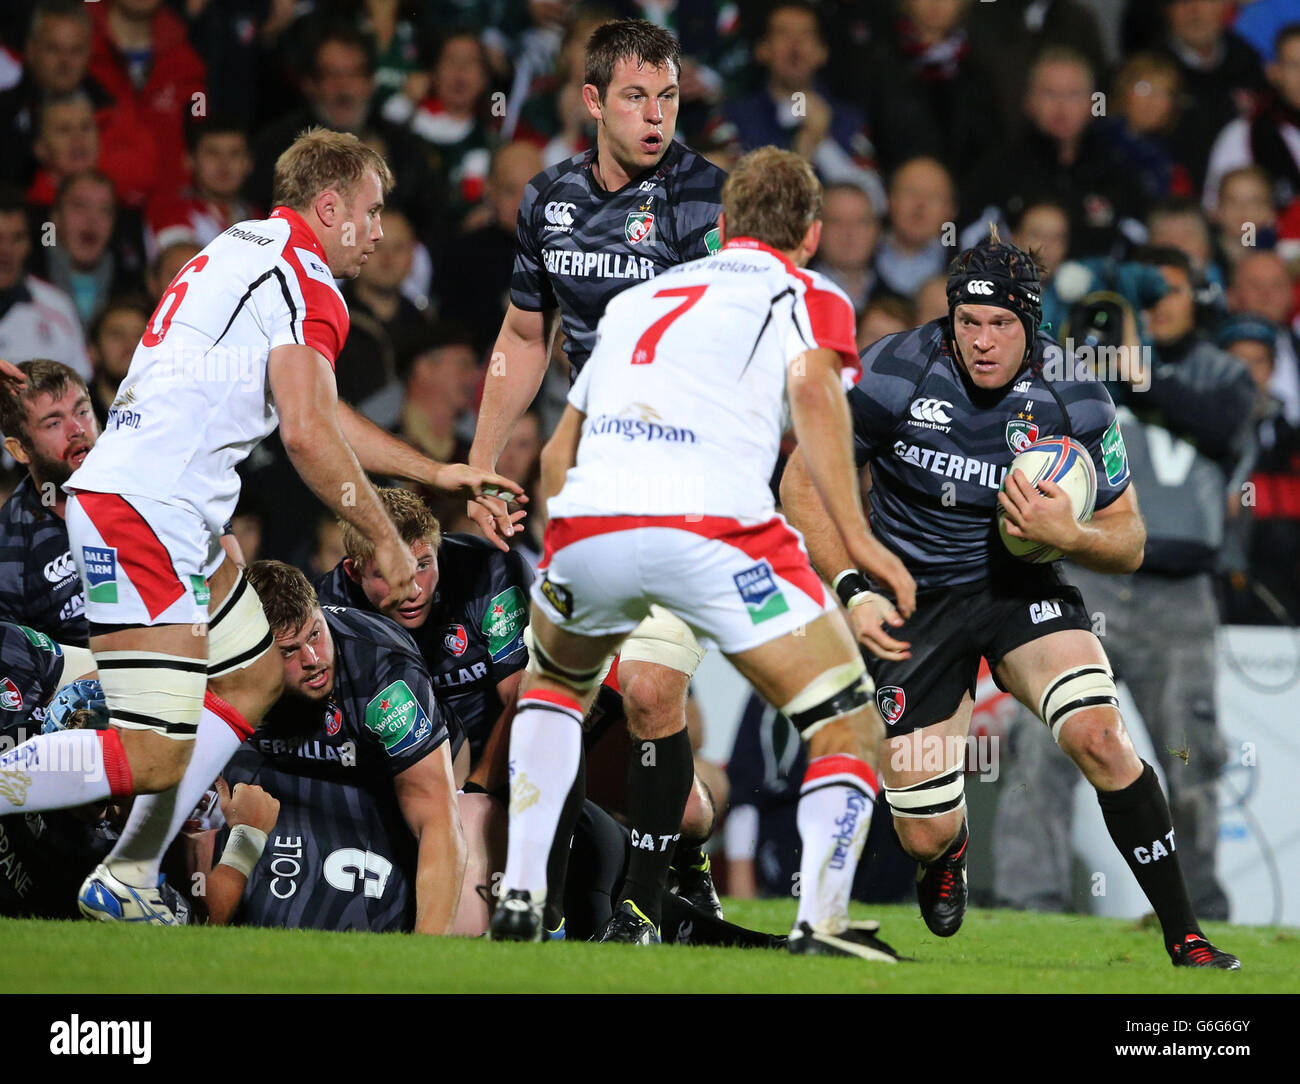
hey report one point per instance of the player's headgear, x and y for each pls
(994, 272)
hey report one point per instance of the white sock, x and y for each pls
(63, 770)
(834, 813)
(545, 749)
(156, 819)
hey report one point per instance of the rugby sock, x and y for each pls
(1139, 822)
(156, 819)
(660, 774)
(834, 813)
(63, 770)
(545, 753)
(557, 865)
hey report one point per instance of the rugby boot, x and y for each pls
(941, 888)
(630, 927)
(103, 897)
(856, 939)
(1195, 951)
(516, 918)
(693, 882)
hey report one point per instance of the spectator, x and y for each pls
(141, 57)
(440, 387)
(1061, 155)
(55, 62)
(554, 116)
(1160, 620)
(387, 328)
(932, 299)
(1178, 222)
(340, 90)
(220, 161)
(921, 203)
(792, 111)
(1221, 77)
(111, 341)
(1260, 284)
(37, 320)
(67, 142)
(84, 262)
(329, 549)
(1147, 97)
(883, 316)
(1244, 215)
(850, 230)
(1273, 555)
(1043, 227)
(476, 285)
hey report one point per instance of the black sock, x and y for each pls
(687, 925)
(557, 862)
(1138, 820)
(596, 866)
(659, 775)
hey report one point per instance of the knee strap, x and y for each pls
(238, 634)
(839, 691)
(540, 663)
(931, 797)
(1073, 691)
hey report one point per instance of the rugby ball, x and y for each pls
(1066, 462)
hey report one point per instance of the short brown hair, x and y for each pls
(772, 196)
(44, 377)
(320, 159)
(288, 598)
(411, 517)
(628, 39)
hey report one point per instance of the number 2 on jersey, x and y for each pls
(170, 302)
(644, 351)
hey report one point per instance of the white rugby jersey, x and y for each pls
(685, 391)
(196, 399)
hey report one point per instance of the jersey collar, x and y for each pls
(754, 243)
(660, 168)
(299, 232)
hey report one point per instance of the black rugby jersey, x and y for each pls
(39, 585)
(474, 635)
(340, 853)
(577, 244)
(940, 448)
(31, 671)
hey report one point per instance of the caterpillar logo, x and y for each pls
(560, 214)
(931, 410)
(979, 286)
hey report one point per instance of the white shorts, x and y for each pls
(736, 585)
(142, 562)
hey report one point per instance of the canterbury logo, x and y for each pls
(979, 286)
(932, 410)
(60, 569)
(560, 214)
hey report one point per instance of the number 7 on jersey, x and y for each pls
(644, 351)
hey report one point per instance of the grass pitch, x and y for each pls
(995, 952)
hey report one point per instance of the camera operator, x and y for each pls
(1185, 410)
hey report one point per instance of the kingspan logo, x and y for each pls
(640, 422)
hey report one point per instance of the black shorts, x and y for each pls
(954, 627)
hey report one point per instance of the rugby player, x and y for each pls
(359, 754)
(940, 412)
(177, 635)
(635, 205)
(686, 388)
(49, 426)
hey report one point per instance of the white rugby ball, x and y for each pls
(1066, 462)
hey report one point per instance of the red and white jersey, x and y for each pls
(685, 391)
(196, 399)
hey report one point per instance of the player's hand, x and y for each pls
(882, 565)
(397, 567)
(1041, 515)
(11, 375)
(868, 620)
(247, 804)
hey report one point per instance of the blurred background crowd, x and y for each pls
(134, 131)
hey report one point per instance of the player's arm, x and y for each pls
(426, 794)
(251, 813)
(306, 400)
(1112, 541)
(379, 452)
(824, 428)
(561, 452)
(519, 360)
(830, 557)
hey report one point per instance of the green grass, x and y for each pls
(995, 952)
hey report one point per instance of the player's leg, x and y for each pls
(483, 820)
(816, 677)
(564, 671)
(244, 679)
(1066, 677)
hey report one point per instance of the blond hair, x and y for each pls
(411, 517)
(320, 159)
(772, 196)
